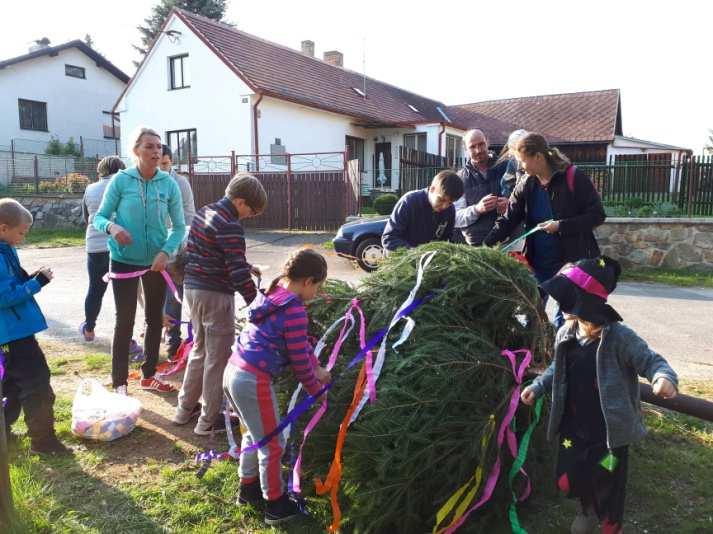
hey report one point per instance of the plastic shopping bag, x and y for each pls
(101, 415)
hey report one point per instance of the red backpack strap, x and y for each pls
(570, 178)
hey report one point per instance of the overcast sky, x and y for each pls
(660, 54)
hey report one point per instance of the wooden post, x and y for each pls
(232, 163)
(81, 146)
(691, 173)
(36, 169)
(289, 192)
(12, 151)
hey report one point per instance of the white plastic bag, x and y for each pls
(101, 415)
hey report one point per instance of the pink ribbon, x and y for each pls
(502, 432)
(137, 274)
(330, 364)
(369, 360)
(586, 282)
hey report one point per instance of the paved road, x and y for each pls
(677, 322)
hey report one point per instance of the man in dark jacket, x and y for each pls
(480, 204)
(424, 215)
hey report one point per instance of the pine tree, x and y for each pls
(214, 9)
(708, 149)
(89, 41)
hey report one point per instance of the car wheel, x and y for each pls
(369, 253)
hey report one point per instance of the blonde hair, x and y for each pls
(244, 185)
(533, 143)
(137, 134)
(13, 214)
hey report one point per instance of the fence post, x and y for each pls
(691, 175)
(81, 146)
(190, 162)
(36, 170)
(232, 163)
(12, 151)
(289, 192)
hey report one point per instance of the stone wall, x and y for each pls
(54, 211)
(652, 242)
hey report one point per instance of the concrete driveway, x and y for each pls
(677, 322)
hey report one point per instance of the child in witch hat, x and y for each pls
(595, 392)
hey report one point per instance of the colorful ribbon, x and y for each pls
(137, 274)
(527, 234)
(2, 363)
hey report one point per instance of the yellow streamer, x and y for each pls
(474, 480)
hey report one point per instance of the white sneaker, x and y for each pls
(121, 390)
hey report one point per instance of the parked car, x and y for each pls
(361, 241)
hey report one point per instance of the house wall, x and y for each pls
(217, 103)
(74, 106)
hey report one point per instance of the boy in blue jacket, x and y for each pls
(424, 215)
(26, 379)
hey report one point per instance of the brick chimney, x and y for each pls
(308, 48)
(334, 57)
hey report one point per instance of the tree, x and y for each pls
(708, 149)
(89, 41)
(214, 9)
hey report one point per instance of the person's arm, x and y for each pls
(299, 352)
(85, 209)
(589, 204)
(13, 293)
(506, 223)
(394, 235)
(177, 233)
(465, 215)
(448, 235)
(107, 208)
(189, 204)
(231, 240)
(647, 363)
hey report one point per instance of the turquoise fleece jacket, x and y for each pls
(141, 208)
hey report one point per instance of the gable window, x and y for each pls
(33, 115)
(75, 72)
(183, 143)
(454, 148)
(355, 150)
(178, 72)
(415, 141)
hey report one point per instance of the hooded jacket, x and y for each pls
(276, 336)
(141, 208)
(20, 315)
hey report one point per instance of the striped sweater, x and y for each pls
(216, 252)
(276, 336)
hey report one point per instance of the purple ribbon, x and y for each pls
(2, 364)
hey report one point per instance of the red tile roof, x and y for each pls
(592, 116)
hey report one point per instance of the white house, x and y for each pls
(212, 89)
(60, 91)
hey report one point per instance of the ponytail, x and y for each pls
(302, 264)
(533, 143)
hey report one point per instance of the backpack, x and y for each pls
(570, 178)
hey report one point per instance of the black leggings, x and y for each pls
(125, 301)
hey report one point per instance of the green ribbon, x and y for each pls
(523, 236)
(517, 465)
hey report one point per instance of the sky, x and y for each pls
(659, 54)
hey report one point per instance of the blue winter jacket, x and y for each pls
(20, 315)
(413, 222)
(141, 208)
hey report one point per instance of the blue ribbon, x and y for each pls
(305, 404)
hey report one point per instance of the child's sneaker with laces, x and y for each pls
(250, 494)
(181, 417)
(154, 384)
(136, 353)
(122, 390)
(203, 429)
(88, 335)
(282, 510)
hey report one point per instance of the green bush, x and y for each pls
(645, 211)
(667, 209)
(384, 204)
(634, 203)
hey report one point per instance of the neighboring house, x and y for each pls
(60, 91)
(210, 88)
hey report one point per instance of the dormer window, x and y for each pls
(413, 108)
(359, 92)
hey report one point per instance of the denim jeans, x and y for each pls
(97, 267)
(174, 309)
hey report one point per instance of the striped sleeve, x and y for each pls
(231, 241)
(299, 352)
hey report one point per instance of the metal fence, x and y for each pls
(304, 191)
(85, 146)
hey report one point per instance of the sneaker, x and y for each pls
(182, 416)
(206, 430)
(122, 390)
(88, 335)
(250, 494)
(136, 353)
(282, 510)
(49, 446)
(584, 524)
(154, 384)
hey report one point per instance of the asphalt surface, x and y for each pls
(676, 322)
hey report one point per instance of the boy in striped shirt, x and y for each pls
(216, 268)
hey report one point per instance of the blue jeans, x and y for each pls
(174, 309)
(542, 275)
(97, 267)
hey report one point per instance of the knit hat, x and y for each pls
(582, 289)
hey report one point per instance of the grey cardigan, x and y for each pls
(622, 356)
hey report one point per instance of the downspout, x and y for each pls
(255, 132)
(440, 137)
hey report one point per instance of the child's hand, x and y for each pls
(664, 388)
(119, 234)
(528, 396)
(43, 275)
(323, 375)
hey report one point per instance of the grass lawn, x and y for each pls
(146, 481)
(673, 277)
(42, 238)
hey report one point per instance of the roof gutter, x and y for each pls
(255, 131)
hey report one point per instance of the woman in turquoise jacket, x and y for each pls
(134, 211)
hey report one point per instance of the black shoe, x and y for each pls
(250, 494)
(49, 446)
(282, 510)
